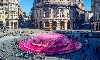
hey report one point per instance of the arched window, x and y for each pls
(40, 13)
(36, 13)
(47, 13)
(61, 13)
(54, 13)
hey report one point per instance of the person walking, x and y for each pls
(3, 46)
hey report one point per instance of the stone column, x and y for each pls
(44, 14)
(17, 24)
(9, 25)
(43, 24)
(58, 25)
(38, 25)
(66, 25)
(94, 26)
(50, 24)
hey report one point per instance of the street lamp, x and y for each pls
(20, 28)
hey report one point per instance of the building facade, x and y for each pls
(2, 14)
(58, 14)
(95, 6)
(88, 16)
(11, 13)
(20, 17)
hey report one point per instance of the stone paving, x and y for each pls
(88, 50)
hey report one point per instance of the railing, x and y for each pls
(12, 10)
(59, 3)
(49, 2)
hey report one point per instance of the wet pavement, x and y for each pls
(88, 51)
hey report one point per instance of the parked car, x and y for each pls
(47, 28)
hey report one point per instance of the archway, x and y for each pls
(62, 24)
(40, 24)
(15, 25)
(54, 25)
(68, 24)
(11, 25)
(46, 24)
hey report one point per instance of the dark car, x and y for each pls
(47, 29)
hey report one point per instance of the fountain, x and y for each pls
(50, 44)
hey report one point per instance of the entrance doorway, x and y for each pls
(54, 25)
(40, 23)
(46, 24)
(62, 24)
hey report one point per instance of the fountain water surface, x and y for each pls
(50, 44)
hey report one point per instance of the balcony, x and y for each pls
(12, 10)
(5, 3)
(58, 3)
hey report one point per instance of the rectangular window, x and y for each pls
(11, 8)
(11, 23)
(6, 12)
(10, 4)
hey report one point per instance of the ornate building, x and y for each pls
(95, 6)
(2, 14)
(20, 17)
(11, 13)
(58, 14)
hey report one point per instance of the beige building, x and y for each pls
(11, 13)
(2, 14)
(20, 17)
(57, 14)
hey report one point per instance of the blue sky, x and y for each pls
(26, 5)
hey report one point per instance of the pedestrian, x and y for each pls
(96, 49)
(88, 45)
(3, 46)
(83, 57)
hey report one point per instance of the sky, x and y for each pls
(26, 5)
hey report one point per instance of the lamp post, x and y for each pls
(20, 28)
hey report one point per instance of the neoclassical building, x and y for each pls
(11, 13)
(95, 6)
(58, 14)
